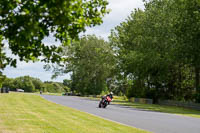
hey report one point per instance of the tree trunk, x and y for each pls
(197, 79)
(179, 87)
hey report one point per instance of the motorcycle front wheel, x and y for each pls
(100, 104)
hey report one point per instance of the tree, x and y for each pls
(187, 32)
(25, 83)
(25, 23)
(67, 82)
(31, 84)
(141, 48)
(150, 49)
(3, 61)
(52, 87)
(90, 62)
(2, 78)
(9, 83)
(37, 83)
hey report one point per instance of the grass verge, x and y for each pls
(49, 93)
(154, 107)
(29, 113)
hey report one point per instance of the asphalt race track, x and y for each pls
(148, 120)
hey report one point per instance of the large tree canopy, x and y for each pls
(25, 23)
(158, 49)
(90, 62)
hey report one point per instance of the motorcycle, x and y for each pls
(105, 100)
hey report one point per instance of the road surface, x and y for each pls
(155, 122)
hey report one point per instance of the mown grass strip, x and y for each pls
(29, 113)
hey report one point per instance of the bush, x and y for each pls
(104, 93)
(197, 97)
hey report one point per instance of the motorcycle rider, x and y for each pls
(106, 99)
(110, 95)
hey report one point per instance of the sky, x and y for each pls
(120, 10)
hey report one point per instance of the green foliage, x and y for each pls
(153, 54)
(24, 83)
(24, 24)
(52, 87)
(2, 78)
(90, 62)
(67, 83)
(197, 97)
(187, 32)
(137, 89)
(93, 65)
(67, 89)
(155, 49)
(37, 83)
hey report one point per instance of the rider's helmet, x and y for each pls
(111, 95)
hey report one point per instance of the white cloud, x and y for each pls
(120, 10)
(98, 32)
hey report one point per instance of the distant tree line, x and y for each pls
(30, 84)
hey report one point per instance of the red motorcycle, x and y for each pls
(105, 100)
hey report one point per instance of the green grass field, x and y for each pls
(29, 113)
